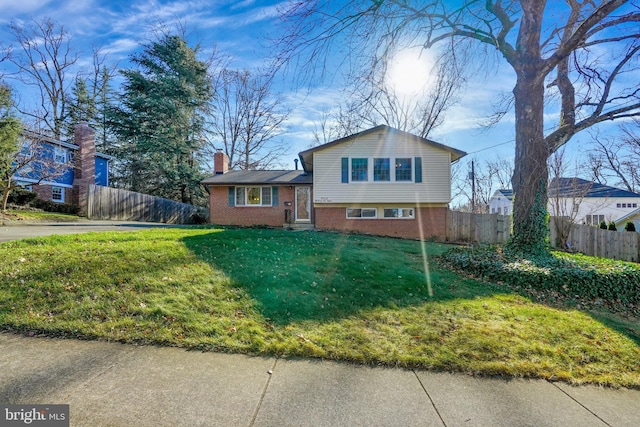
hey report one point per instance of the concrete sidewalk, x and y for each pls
(108, 384)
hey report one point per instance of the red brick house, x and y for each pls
(380, 181)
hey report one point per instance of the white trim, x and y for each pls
(252, 205)
(35, 181)
(308, 191)
(413, 213)
(62, 195)
(375, 210)
(392, 170)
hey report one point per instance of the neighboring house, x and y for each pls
(500, 202)
(583, 201)
(380, 181)
(80, 166)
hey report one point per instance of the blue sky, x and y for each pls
(241, 29)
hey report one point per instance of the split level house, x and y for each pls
(380, 181)
(582, 201)
(77, 165)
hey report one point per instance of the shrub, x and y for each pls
(612, 226)
(629, 226)
(21, 197)
(603, 225)
(574, 275)
(49, 206)
(199, 218)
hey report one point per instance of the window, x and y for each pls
(57, 194)
(359, 169)
(404, 213)
(618, 205)
(253, 196)
(381, 170)
(594, 219)
(266, 196)
(60, 155)
(403, 169)
(362, 213)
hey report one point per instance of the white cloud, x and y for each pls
(11, 8)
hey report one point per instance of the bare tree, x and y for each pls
(378, 101)
(44, 59)
(248, 119)
(615, 160)
(34, 158)
(489, 176)
(565, 197)
(339, 124)
(582, 52)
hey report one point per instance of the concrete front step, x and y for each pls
(299, 226)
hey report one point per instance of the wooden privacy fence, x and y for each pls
(123, 205)
(623, 245)
(477, 228)
(494, 228)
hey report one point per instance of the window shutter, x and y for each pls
(345, 170)
(232, 196)
(274, 196)
(418, 161)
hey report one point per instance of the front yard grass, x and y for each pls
(308, 294)
(37, 215)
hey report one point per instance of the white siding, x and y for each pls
(436, 172)
(586, 206)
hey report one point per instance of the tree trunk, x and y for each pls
(530, 233)
(531, 172)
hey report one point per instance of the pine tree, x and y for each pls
(159, 123)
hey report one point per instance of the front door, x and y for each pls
(303, 204)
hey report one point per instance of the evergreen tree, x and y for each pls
(10, 128)
(159, 122)
(82, 106)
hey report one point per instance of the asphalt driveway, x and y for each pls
(15, 231)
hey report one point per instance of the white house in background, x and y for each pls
(584, 201)
(500, 202)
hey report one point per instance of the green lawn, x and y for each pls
(308, 294)
(33, 215)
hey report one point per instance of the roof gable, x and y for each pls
(307, 155)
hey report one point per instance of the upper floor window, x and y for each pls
(406, 169)
(381, 170)
(60, 155)
(403, 169)
(359, 169)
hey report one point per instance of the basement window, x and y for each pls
(402, 213)
(362, 213)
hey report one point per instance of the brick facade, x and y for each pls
(45, 192)
(273, 216)
(433, 222)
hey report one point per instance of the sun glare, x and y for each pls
(409, 72)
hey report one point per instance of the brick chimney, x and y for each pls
(84, 172)
(220, 162)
